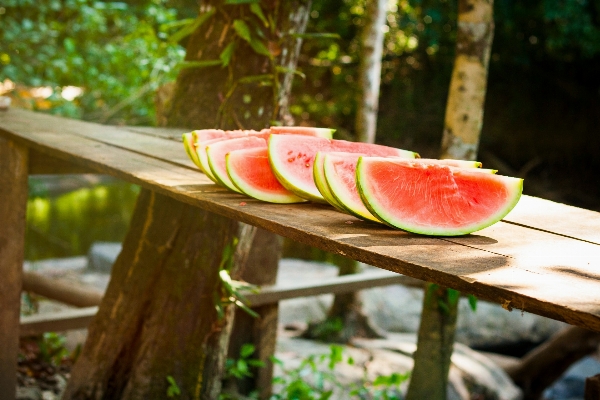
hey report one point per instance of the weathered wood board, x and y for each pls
(544, 262)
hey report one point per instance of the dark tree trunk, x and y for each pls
(429, 377)
(158, 318)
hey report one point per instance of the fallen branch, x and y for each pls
(61, 290)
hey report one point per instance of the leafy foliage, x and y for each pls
(315, 379)
(115, 51)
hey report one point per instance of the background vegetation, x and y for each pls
(542, 109)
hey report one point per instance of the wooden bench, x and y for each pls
(543, 258)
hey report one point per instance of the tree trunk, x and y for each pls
(345, 318)
(369, 70)
(435, 343)
(462, 128)
(464, 110)
(158, 319)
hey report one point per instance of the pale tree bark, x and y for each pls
(345, 318)
(158, 317)
(464, 110)
(462, 128)
(369, 70)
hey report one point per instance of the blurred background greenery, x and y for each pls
(103, 61)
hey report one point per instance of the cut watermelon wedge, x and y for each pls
(292, 156)
(321, 182)
(190, 148)
(303, 130)
(250, 172)
(216, 152)
(340, 177)
(434, 199)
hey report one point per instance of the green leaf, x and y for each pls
(257, 10)
(242, 29)
(315, 35)
(473, 302)
(289, 70)
(257, 78)
(226, 54)
(198, 64)
(191, 27)
(260, 48)
(247, 350)
(453, 296)
(248, 310)
(233, 2)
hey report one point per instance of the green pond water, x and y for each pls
(65, 222)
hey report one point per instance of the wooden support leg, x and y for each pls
(13, 203)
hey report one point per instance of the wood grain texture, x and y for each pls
(43, 164)
(13, 202)
(544, 268)
(57, 321)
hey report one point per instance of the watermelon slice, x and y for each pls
(340, 177)
(190, 148)
(216, 152)
(292, 157)
(250, 172)
(303, 130)
(434, 199)
(321, 182)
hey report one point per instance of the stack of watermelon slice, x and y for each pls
(372, 182)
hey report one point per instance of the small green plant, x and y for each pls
(315, 379)
(52, 348)
(241, 368)
(229, 291)
(173, 389)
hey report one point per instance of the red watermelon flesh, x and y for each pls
(434, 199)
(340, 176)
(303, 130)
(292, 156)
(201, 146)
(216, 152)
(250, 172)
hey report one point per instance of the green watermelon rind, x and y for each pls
(321, 183)
(515, 190)
(248, 190)
(335, 193)
(205, 164)
(190, 149)
(219, 180)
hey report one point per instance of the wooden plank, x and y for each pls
(173, 134)
(337, 285)
(58, 321)
(61, 290)
(532, 212)
(13, 202)
(42, 164)
(554, 217)
(79, 319)
(480, 264)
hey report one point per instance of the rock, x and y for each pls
(102, 256)
(397, 308)
(571, 385)
(57, 267)
(29, 393)
(472, 375)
